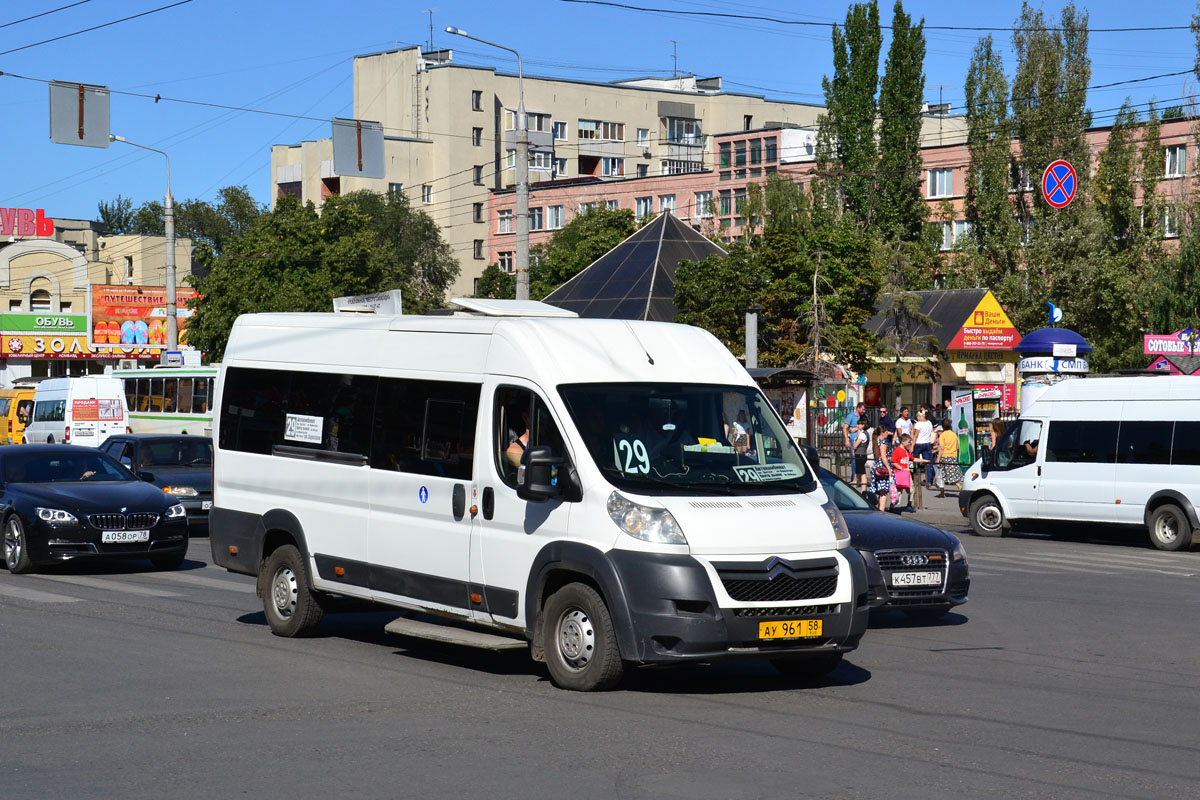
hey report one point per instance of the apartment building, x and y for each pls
(450, 137)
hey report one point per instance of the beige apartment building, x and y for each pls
(450, 138)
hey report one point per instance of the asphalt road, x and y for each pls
(1070, 673)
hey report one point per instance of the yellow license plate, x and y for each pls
(789, 629)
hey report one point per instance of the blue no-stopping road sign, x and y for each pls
(1059, 184)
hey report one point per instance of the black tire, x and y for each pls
(810, 668)
(579, 641)
(16, 547)
(1169, 528)
(927, 614)
(50, 439)
(288, 603)
(986, 516)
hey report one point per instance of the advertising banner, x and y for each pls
(1006, 393)
(44, 335)
(988, 328)
(962, 420)
(1182, 342)
(135, 315)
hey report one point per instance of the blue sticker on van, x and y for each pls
(423, 495)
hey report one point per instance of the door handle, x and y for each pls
(458, 501)
(1039, 470)
(489, 502)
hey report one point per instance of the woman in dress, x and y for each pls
(881, 475)
(948, 458)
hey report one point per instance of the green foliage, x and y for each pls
(203, 222)
(714, 293)
(292, 259)
(496, 283)
(901, 209)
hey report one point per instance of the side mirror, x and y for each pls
(538, 475)
(986, 457)
(811, 455)
(148, 477)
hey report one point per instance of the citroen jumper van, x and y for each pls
(1123, 451)
(541, 481)
(85, 411)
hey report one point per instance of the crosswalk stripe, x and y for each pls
(1056, 564)
(1080, 564)
(33, 595)
(107, 585)
(198, 580)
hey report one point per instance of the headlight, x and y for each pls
(56, 516)
(840, 531)
(181, 491)
(176, 510)
(642, 522)
(959, 553)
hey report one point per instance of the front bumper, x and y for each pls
(47, 544)
(952, 591)
(675, 615)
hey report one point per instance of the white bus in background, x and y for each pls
(165, 399)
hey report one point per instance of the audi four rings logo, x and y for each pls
(914, 560)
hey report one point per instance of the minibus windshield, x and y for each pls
(659, 438)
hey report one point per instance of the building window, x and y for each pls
(947, 237)
(725, 203)
(611, 205)
(666, 202)
(703, 205)
(747, 122)
(739, 201)
(539, 122)
(1170, 222)
(643, 170)
(39, 300)
(476, 100)
(589, 129)
(613, 131)
(772, 151)
(676, 167)
(395, 188)
(560, 131)
(612, 167)
(739, 154)
(560, 167)
(683, 130)
(504, 221)
(756, 151)
(477, 212)
(505, 261)
(1020, 181)
(554, 217)
(477, 137)
(1176, 161)
(588, 206)
(643, 207)
(941, 182)
(510, 159)
(535, 219)
(962, 230)
(290, 189)
(726, 154)
(643, 137)
(477, 249)
(541, 161)
(426, 194)
(477, 175)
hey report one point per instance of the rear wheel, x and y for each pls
(808, 668)
(1169, 528)
(16, 549)
(986, 515)
(579, 640)
(289, 605)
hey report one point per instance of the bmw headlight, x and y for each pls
(56, 516)
(642, 522)
(958, 553)
(840, 531)
(181, 491)
(176, 511)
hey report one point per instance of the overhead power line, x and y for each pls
(815, 24)
(44, 14)
(94, 27)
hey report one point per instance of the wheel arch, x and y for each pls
(1171, 497)
(278, 528)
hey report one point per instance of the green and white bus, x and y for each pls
(170, 399)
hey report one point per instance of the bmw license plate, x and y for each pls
(789, 629)
(916, 579)
(124, 537)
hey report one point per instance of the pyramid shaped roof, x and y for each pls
(636, 279)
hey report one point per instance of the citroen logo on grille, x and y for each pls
(914, 560)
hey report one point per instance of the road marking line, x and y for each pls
(33, 595)
(197, 580)
(107, 585)
(993, 561)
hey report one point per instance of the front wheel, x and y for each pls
(987, 517)
(579, 640)
(16, 548)
(1169, 528)
(289, 605)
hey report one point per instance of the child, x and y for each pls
(901, 463)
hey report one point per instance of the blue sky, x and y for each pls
(295, 57)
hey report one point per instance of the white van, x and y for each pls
(84, 411)
(534, 478)
(1124, 451)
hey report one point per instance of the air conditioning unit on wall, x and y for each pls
(127, 363)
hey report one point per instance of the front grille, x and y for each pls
(120, 522)
(894, 559)
(921, 591)
(791, 611)
(780, 587)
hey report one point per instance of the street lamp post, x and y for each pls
(172, 321)
(522, 169)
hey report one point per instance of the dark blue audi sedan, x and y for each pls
(63, 502)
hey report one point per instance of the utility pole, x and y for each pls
(674, 57)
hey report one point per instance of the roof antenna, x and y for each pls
(639, 341)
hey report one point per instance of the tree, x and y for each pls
(198, 220)
(117, 216)
(901, 208)
(294, 259)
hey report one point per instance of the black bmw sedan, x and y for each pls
(911, 566)
(63, 502)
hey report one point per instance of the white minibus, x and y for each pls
(537, 481)
(84, 411)
(1124, 451)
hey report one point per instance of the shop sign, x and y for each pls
(977, 356)
(1006, 393)
(1051, 364)
(1184, 342)
(34, 322)
(25, 222)
(21, 345)
(135, 315)
(988, 328)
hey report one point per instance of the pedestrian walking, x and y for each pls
(861, 449)
(901, 470)
(904, 424)
(923, 442)
(948, 458)
(881, 475)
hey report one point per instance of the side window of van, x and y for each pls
(426, 427)
(1019, 444)
(1083, 442)
(50, 411)
(521, 420)
(1185, 449)
(1145, 442)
